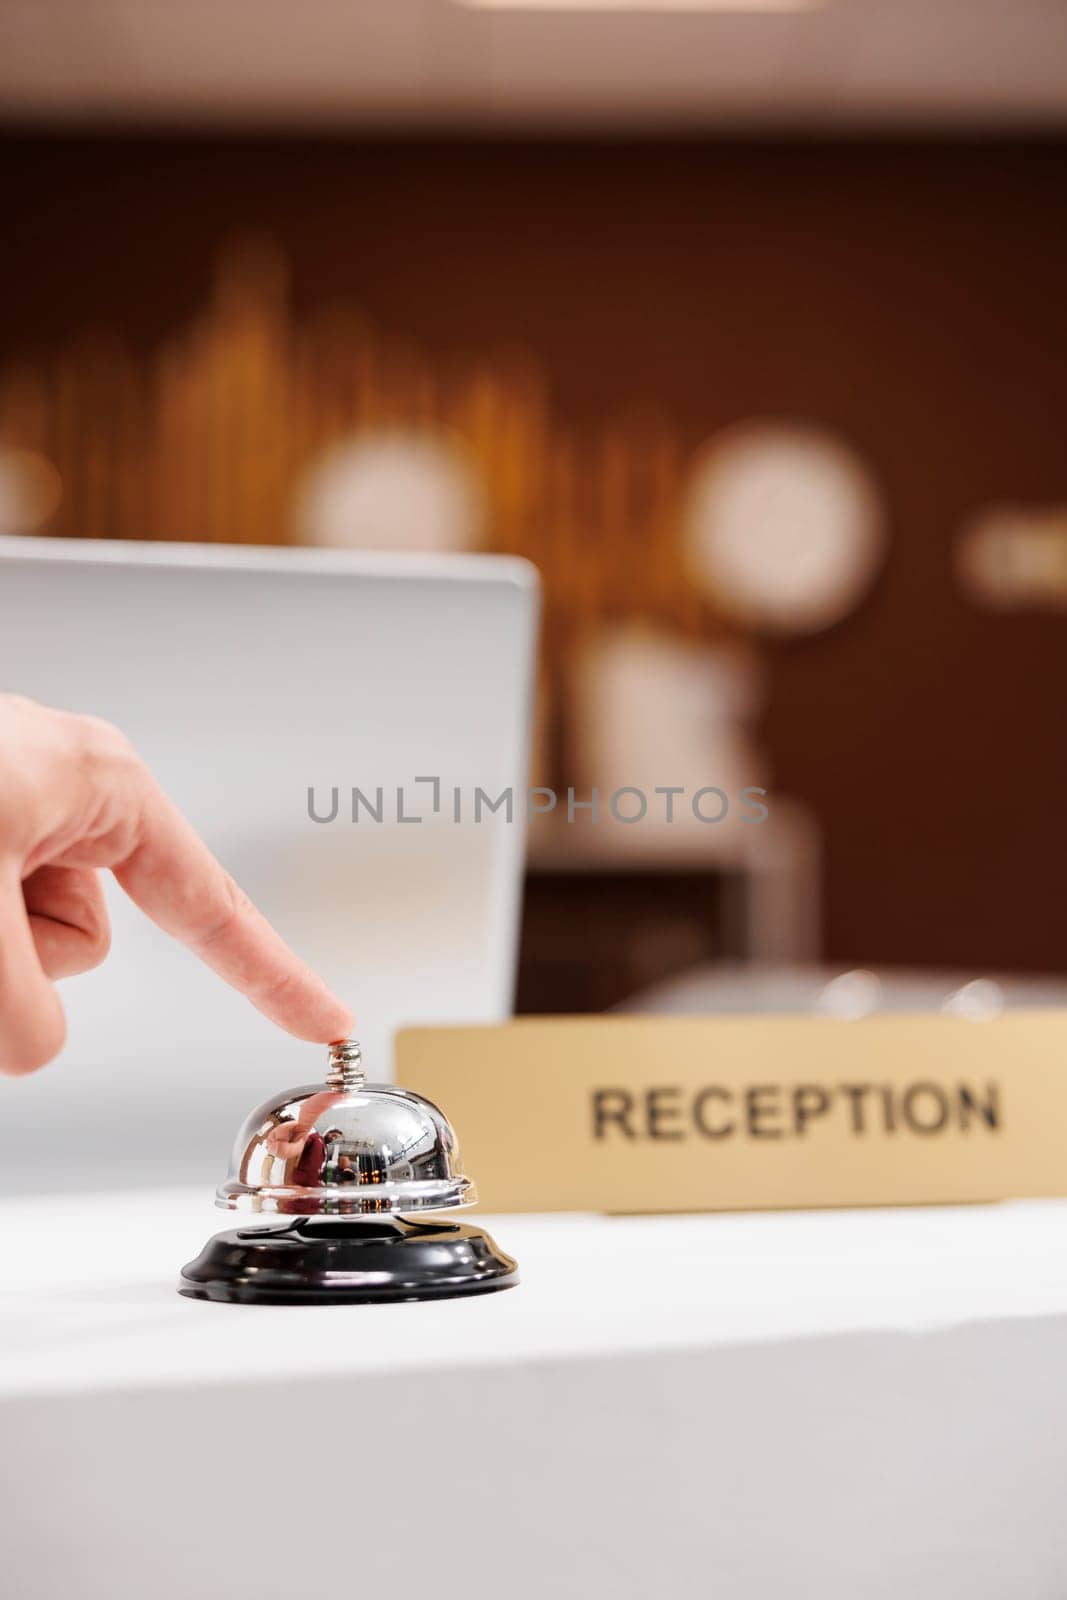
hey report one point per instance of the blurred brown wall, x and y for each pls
(911, 296)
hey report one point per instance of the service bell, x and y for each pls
(355, 1165)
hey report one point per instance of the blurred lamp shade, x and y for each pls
(783, 527)
(391, 491)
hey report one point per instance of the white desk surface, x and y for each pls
(855, 1404)
(88, 1301)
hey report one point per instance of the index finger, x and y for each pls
(165, 867)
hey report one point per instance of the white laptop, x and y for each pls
(247, 678)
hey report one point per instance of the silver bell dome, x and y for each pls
(346, 1148)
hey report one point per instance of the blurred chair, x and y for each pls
(651, 709)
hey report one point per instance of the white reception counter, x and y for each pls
(854, 1404)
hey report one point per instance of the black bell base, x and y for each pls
(321, 1263)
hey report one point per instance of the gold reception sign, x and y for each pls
(689, 1114)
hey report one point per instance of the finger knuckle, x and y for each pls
(102, 740)
(19, 705)
(232, 906)
(103, 752)
(274, 989)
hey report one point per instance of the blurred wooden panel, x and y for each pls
(620, 303)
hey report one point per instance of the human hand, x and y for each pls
(74, 798)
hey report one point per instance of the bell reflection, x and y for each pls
(340, 1166)
(301, 1153)
(346, 1148)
